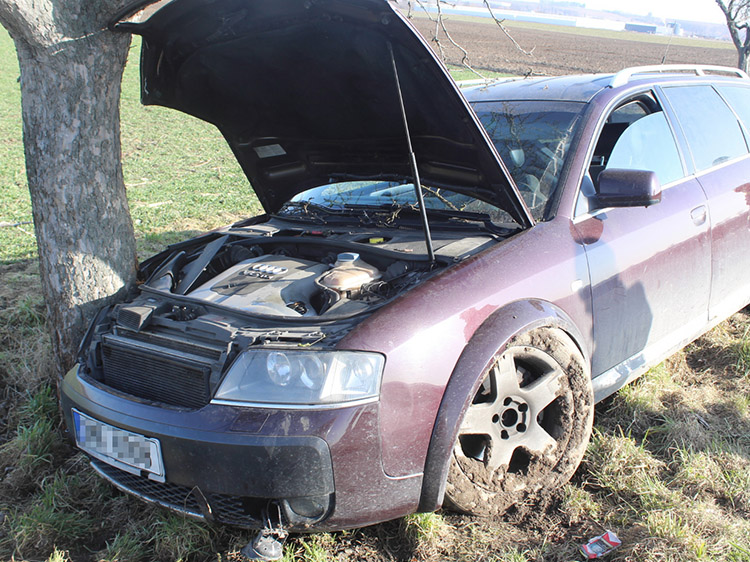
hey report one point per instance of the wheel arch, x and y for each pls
(491, 338)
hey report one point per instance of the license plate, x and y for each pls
(124, 449)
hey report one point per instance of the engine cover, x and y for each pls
(270, 284)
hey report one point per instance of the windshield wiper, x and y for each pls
(442, 218)
(390, 215)
(304, 210)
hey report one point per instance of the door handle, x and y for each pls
(699, 215)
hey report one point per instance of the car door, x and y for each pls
(649, 266)
(718, 152)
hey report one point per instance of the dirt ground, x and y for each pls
(554, 53)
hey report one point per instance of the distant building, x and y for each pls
(571, 13)
(640, 28)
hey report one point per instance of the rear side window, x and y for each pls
(711, 129)
(739, 99)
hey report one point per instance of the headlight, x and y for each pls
(294, 377)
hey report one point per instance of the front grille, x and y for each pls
(169, 495)
(155, 376)
(235, 510)
(231, 510)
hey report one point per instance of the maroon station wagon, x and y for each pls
(367, 348)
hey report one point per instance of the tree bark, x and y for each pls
(71, 71)
(737, 12)
(742, 59)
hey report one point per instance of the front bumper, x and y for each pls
(319, 469)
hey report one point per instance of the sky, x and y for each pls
(696, 10)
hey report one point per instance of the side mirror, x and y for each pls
(627, 188)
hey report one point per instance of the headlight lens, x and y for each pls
(306, 377)
(279, 368)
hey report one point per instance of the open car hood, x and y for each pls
(305, 94)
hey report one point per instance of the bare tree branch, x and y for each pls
(464, 52)
(440, 25)
(504, 29)
(436, 33)
(439, 22)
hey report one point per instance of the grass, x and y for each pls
(15, 242)
(124, 545)
(668, 468)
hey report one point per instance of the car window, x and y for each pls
(629, 113)
(532, 138)
(739, 98)
(635, 136)
(648, 144)
(712, 131)
(374, 193)
(388, 194)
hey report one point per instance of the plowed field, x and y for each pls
(556, 51)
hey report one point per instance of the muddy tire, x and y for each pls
(527, 428)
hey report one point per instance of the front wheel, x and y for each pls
(527, 427)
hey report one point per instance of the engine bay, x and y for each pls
(270, 271)
(265, 284)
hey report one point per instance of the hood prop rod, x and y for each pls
(413, 163)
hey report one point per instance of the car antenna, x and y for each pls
(413, 163)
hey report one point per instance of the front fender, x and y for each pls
(489, 340)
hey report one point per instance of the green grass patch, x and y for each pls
(52, 517)
(742, 350)
(16, 242)
(127, 545)
(427, 533)
(316, 547)
(179, 539)
(459, 73)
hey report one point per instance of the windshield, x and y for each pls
(390, 195)
(532, 138)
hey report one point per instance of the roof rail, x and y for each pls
(475, 82)
(624, 76)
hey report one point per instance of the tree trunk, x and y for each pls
(70, 101)
(744, 58)
(736, 12)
